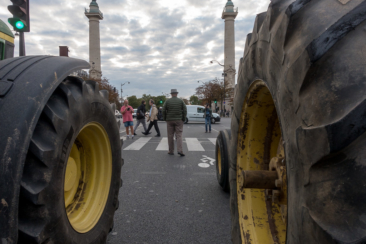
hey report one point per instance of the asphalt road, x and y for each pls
(172, 199)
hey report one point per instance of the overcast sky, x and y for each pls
(155, 44)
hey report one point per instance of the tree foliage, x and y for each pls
(215, 89)
(194, 100)
(105, 85)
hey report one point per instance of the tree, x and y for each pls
(133, 101)
(185, 100)
(194, 100)
(215, 89)
(207, 91)
(105, 85)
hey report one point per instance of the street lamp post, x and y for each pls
(122, 89)
(223, 75)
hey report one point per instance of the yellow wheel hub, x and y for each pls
(261, 170)
(219, 159)
(88, 177)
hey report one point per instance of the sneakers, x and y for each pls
(181, 154)
(132, 136)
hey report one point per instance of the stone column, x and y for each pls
(94, 48)
(94, 15)
(229, 14)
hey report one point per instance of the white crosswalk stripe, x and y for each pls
(163, 145)
(194, 145)
(213, 140)
(138, 144)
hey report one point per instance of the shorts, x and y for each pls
(128, 123)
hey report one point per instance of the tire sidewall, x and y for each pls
(89, 109)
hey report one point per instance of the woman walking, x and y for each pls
(207, 115)
(126, 111)
(140, 116)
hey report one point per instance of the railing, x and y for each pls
(231, 9)
(93, 11)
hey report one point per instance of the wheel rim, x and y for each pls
(262, 213)
(219, 159)
(87, 177)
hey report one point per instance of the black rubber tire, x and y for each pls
(42, 215)
(213, 121)
(222, 144)
(186, 121)
(311, 55)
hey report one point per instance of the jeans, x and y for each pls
(208, 121)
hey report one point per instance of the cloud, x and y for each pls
(155, 44)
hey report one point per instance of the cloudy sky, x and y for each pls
(155, 44)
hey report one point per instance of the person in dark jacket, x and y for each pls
(140, 116)
(175, 113)
(207, 115)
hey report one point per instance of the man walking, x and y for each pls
(175, 113)
(140, 116)
(126, 111)
(153, 118)
(207, 115)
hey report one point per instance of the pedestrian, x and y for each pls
(153, 118)
(207, 115)
(126, 111)
(228, 113)
(140, 116)
(175, 113)
(224, 112)
(160, 114)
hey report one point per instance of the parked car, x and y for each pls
(134, 113)
(118, 114)
(195, 113)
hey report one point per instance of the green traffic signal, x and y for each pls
(19, 24)
(215, 101)
(161, 101)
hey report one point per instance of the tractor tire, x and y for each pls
(72, 173)
(222, 159)
(301, 85)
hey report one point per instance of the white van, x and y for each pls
(195, 114)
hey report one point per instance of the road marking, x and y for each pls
(163, 145)
(204, 173)
(137, 145)
(213, 140)
(194, 145)
(206, 162)
(153, 173)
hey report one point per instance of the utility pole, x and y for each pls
(21, 44)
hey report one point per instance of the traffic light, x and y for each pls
(20, 11)
(215, 101)
(161, 101)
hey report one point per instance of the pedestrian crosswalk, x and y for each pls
(193, 144)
